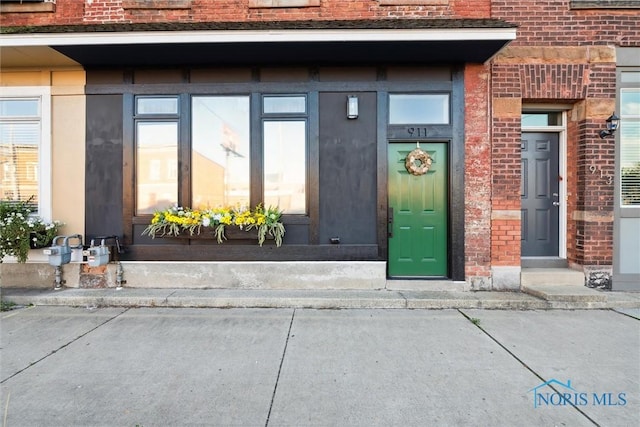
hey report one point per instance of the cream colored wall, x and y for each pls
(68, 106)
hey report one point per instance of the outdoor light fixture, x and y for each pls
(352, 107)
(612, 125)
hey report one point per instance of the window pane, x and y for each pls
(630, 146)
(19, 143)
(284, 104)
(220, 157)
(418, 109)
(19, 108)
(541, 119)
(156, 166)
(285, 165)
(630, 77)
(157, 105)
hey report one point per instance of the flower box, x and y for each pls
(230, 233)
(220, 224)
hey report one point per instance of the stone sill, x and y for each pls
(254, 4)
(156, 4)
(27, 7)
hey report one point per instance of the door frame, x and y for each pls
(561, 130)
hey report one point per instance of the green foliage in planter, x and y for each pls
(20, 231)
(176, 220)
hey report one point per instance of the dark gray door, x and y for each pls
(539, 189)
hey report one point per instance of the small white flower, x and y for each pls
(206, 221)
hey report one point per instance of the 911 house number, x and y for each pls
(417, 132)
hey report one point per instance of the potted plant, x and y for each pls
(21, 231)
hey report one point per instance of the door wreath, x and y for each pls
(418, 162)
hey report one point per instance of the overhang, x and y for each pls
(410, 41)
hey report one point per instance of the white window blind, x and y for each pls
(20, 131)
(630, 147)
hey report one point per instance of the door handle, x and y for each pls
(390, 222)
(556, 203)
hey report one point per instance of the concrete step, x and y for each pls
(560, 285)
(317, 299)
(551, 276)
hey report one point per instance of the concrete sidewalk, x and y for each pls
(65, 366)
(534, 297)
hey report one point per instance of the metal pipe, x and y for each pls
(58, 281)
(119, 274)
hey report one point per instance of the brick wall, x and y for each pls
(561, 56)
(135, 11)
(477, 173)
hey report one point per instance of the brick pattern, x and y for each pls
(554, 81)
(139, 11)
(554, 23)
(505, 186)
(477, 172)
(561, 56)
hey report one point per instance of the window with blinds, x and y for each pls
(630, 146)
(19, 149)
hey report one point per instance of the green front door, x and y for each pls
(418, 213)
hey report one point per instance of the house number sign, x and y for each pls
(594, 169)
(417, 132)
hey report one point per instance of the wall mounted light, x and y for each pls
(352, 107)
(612, 125)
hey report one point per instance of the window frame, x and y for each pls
(280, 117)
(43, 94)
(631, 87)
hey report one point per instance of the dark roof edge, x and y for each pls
(379, 24)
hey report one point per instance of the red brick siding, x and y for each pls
(505, 194)
(553, 23)
(104, 11)
(582, 76)
(477, 172)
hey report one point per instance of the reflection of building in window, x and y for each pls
(19, 148)
(172, 170)
(285, 165)
(32, 171)
(19, 172)
(154, 170)
(8, 174)
(157, 189)
(157, 147)
(220, 170)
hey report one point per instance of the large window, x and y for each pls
(285, 153)
(20, 131)
(630, 146)
(156, 153)
(203, 154)
(220, 151)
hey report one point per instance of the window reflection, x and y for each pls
(419, 109)
(220, 151)
(285, 165)
(19, 150)
(156, 165)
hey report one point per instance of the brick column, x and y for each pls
(477, 177)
